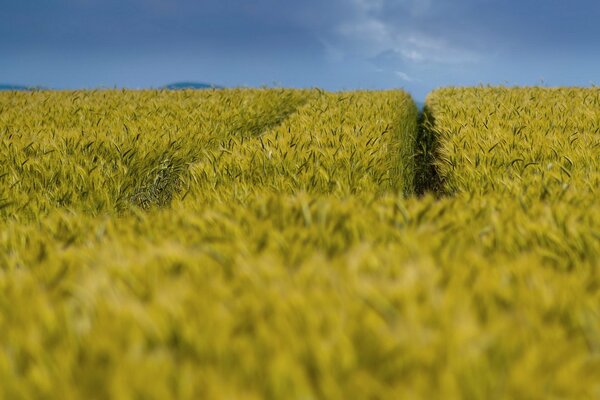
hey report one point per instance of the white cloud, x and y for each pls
(366, 33)
(410, 54)
(404, 76)
(423, 48)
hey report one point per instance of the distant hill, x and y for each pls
(14, 87)
(191, 85)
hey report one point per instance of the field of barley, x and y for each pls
(300, 244)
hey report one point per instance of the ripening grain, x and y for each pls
(104, 151)
(265, 244)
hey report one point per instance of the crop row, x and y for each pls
(525, 164)
(337, 144)
(524, 141)
(202, 295)
(104, 151)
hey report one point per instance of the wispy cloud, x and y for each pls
(368, 32)
(364, 37)
(418, 49)
(404, 76)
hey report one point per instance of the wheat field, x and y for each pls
(300, 244)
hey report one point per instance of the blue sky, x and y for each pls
(334, 44)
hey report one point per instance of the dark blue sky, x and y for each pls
(333, 44)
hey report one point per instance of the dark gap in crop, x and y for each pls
(427, 177)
